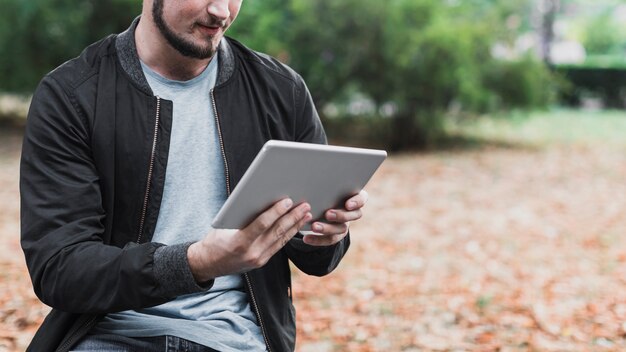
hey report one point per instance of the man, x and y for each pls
(130, 150)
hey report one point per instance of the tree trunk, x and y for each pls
(548, 9)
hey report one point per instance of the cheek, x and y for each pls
(170, 14)
(233, 8)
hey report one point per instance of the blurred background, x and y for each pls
(497, 223)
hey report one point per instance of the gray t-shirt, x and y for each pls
(195, 189)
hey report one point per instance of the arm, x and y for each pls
(62, 219)
(316, 256)
(223, 252)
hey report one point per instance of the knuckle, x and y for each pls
(261, 261)
(285, 237)
(341, 217)
(284, 241)
(239, 249)
(255, 259)
(264, 223)
(302, 222)
(249, 259)
(279, 230)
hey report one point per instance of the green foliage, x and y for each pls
(431, 55)
(414, 58)
(603, 61)
(419, 55)
(608, 84)
(262, 25)
(333, 52)
(520, 84)
(603, 35)
(38, 35)
(602, 75)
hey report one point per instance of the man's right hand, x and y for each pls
(224, 252)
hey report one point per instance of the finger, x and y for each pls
(357, 201)
(322, 240)
(330, 229)
(281, 237)
(266, 219)
(290, 233)
(276, 237)
(290, 220)
(337, 215)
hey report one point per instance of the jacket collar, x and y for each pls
(129, 59)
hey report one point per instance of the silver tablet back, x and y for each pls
(322, 175)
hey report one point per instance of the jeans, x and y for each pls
(102, 342)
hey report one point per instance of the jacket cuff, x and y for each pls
(172, 271)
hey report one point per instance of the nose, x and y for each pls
(219, 9)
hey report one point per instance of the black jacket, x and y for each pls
(92, 174)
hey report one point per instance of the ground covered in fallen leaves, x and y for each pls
(494, 248)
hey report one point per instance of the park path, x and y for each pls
(20, 310)
(515, 249)
(492, 249)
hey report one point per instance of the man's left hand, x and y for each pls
(337, 223)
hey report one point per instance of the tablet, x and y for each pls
(325, 176)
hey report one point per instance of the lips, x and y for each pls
(209, 30)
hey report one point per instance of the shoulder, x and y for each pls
(263, 63)
(67, 94)
(75, 72)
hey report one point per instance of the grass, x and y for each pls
(509, 130)
(540, 128)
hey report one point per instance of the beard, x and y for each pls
(182, 45)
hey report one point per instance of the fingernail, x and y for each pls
(288, 203)
(332, 215)
(318, 227)
(351, 205)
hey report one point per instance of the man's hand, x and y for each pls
(337, 222)
(224, 252)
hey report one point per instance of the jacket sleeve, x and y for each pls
(62, 219)
(313, 260)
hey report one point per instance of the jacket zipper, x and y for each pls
(256, 310)
(219, 135)
(226, 171)
(150, 169)
(89, 323)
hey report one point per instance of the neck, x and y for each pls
(154, 50)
